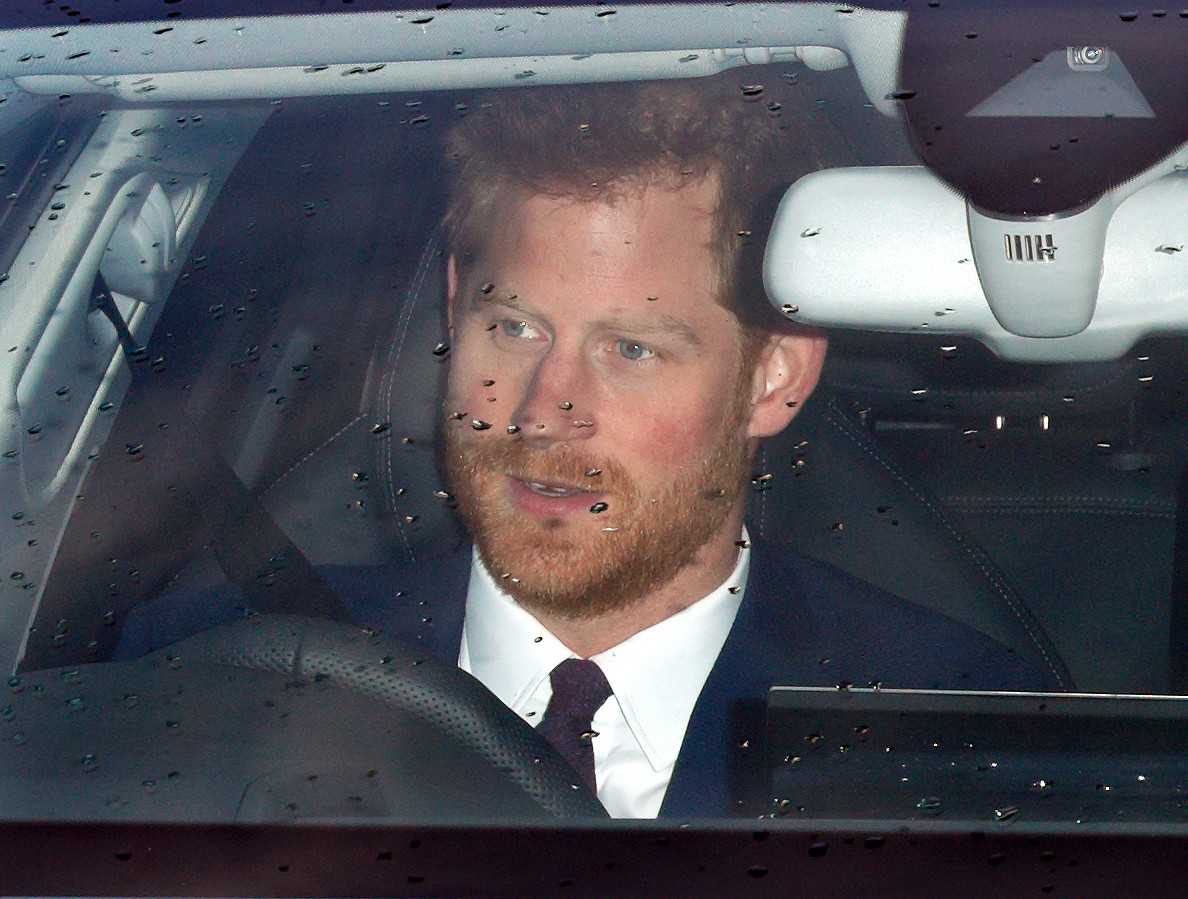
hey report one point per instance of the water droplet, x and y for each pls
(593, 472)
(479, 425)
(818, 850)
(587, 735)
(488, 383)
(1005, 814)
(89, 763)
(734, 590)
(566, 406)
(512, 429)
(441, 349)
(810, 232)
(1169, 249)
(599, 507)
(929, 804)
(381, 428)
(750, 91)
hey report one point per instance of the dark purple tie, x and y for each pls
(579, 690)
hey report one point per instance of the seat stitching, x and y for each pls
(1152, 506)
(1011, 602)
(1003, 509)
(387, 385)
(313, 452)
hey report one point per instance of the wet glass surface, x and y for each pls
(284, 417)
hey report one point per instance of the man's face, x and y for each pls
(598, 411)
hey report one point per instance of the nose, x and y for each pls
(557, 405)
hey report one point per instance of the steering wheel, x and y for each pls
(278, 717)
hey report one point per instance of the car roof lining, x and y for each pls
(462, 37)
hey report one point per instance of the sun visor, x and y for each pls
(890, 249)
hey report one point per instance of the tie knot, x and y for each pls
(579, 690)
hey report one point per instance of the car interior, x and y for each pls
(304, 346)
(223, 355)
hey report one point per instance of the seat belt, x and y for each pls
(254, 553)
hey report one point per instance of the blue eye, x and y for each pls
(513, 328)
(635, 351)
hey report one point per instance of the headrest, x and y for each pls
(372, 493)
(952, 379)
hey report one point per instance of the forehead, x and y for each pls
(652, 245)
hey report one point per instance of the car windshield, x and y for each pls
(520, 417)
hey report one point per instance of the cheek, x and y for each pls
(666, 435)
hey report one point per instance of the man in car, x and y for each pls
(614, 366)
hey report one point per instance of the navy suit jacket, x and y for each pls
(800, 623)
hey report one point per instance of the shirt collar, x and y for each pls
(503, 645)
(656, 674)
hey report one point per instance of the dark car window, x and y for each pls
(228, 412)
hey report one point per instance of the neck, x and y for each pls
(705, 573)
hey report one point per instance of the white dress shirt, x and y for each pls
(656, 676)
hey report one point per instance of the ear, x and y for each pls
(786, 373)
(451, 291)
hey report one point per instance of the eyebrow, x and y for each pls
(665, 323)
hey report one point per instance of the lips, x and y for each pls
(551, 498)
(551, 489)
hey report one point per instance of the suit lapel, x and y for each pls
(722, 767)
